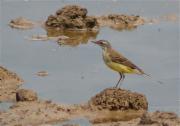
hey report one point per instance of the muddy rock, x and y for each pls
(72, 11)
(71, 17)
(120, 21)
(160, 119)
(118, 99)
(9, 83)
(146, 119)
(26, 95)
(21, 23)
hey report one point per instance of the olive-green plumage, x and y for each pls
(116, 61)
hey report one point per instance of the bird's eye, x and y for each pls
(102, 43)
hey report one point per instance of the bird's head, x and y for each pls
(102, 43)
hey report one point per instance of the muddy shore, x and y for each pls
(110, 107)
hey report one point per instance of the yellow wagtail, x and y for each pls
(117, 62)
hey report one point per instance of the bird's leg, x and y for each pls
(121, 75)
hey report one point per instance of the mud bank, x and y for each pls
(40, 112)
(148, 119)
(30, 111)
(9, 83)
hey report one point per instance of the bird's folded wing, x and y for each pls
(118, 58)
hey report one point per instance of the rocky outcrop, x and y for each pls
(118, 99)
(71, 17)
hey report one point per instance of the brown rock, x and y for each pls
(26, 95)
(71, 17)
(146, 119)
(72, 11)
(91, 22)
(118, 99)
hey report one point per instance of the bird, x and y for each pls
(117, 62)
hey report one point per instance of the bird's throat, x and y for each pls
(106, 55)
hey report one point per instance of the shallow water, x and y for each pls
(4, 106)
(77, 73)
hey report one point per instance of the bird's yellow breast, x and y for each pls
(119, 67)
(116, 66)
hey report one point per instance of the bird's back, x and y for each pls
(119, 63)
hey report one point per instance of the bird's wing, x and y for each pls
(118, 58)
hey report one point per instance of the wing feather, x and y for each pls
(118, 58)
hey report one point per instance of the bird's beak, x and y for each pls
(95, 42)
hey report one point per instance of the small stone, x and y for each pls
(146, 119)
(42, 73)
(26, 95)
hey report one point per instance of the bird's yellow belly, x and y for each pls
(119, 67)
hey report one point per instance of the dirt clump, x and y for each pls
(21, 23)
(120, 21)
(71, 17)
(118, 99)
(26, 95)
(9, 83)
(34, 113)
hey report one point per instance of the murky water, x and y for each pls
(77, 73)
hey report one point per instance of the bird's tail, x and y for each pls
(151, 78)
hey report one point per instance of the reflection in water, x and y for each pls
(75, 37)
(120, 27)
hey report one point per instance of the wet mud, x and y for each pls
(111, 107)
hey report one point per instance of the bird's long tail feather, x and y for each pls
(151, 78)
